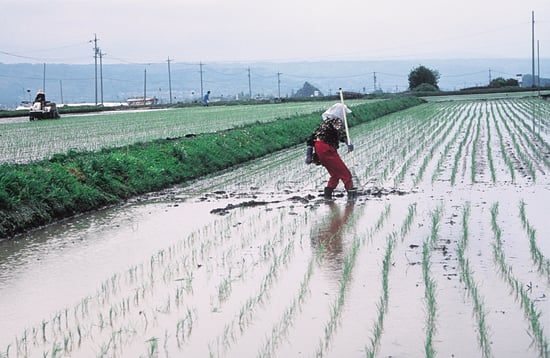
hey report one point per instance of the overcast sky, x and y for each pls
(138, 31)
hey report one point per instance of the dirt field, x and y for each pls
(445, 253)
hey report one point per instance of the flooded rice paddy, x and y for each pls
(444, 253)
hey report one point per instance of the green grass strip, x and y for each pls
(42, 192)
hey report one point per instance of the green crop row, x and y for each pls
(39, 193)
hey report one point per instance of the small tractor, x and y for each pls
(42, 109)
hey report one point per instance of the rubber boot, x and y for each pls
(328, 193)
(352, 194)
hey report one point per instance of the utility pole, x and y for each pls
(202, 91)
(538, 67)
(249, 85)
(101, 54)
(279, 84)
(144, 86)
(44, 79)
(490, 77)
(374, 81)
(533, 46)
(96, 52)
(61, 90)
(169, 80)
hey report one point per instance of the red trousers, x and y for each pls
(337, 169)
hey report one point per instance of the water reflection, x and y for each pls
(328, 237)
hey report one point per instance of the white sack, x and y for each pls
(335, 111)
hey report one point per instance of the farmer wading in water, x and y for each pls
(322, 146)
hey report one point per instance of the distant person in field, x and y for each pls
(322, 149)
(206, 99)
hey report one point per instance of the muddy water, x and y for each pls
(54, 267)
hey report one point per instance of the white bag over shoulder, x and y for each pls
(335, 111)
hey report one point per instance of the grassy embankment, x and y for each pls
(39, 193)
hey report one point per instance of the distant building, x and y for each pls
(139, 101)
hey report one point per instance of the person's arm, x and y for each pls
(342, 136)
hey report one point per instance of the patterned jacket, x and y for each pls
(331, 131)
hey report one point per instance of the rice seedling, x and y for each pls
(383, 216)
(405, 228)
(152, 349)
(56, 348)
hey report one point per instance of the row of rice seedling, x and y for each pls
(280, 329)
(393, 138)
(475, 148)
(503, 150)
(450, 143)
(381, 138)
(519, 149)
(528, 306)
(430, 284)
(437, 139)
(426, 140)
(406, 146)
(541, 262)
(336, 307)
(536, 113)
(539, 148)
(530, 148)
(382, 306)
(458, 154)
(471, 285)
(490, 151)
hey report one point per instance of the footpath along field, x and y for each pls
(445, 254)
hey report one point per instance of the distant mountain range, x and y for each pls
(65, 83)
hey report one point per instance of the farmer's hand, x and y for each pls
(350, 148)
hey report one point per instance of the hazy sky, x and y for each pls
(138, 31)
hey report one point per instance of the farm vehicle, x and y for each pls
(42, 109)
